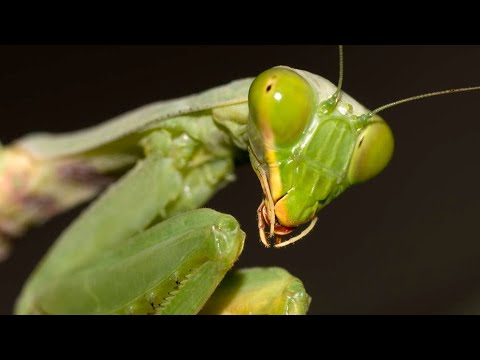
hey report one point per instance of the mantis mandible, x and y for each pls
(199, 133)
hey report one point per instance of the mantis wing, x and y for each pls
(47, 146)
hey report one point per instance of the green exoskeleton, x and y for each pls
(145, 247)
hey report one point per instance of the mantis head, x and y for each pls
(308, 148)
(289, 119)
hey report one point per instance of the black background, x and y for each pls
(406, 242)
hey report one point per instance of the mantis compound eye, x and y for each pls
(372, 152)
(281, 104)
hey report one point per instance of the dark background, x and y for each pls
(406, 242)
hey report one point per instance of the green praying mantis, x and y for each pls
(141, 247)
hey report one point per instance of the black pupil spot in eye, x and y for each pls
(269, 87)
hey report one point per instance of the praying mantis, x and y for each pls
(332, 90)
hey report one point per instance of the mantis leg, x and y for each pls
(259, 291)
(155, 189)
(171, 268)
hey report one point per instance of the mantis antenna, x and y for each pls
(423, 96)
(336, 95)
(340, 70)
